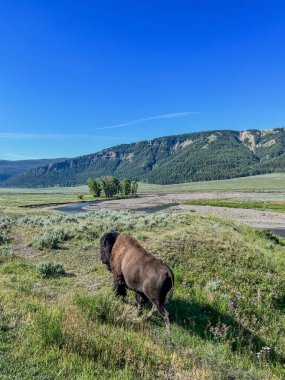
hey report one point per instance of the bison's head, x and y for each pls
(106, 244)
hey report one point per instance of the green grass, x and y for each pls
(57, 190)
(18, 197)
(13, 200)
(238, 203)
(228, 305)
(268, 182)
(24, 200)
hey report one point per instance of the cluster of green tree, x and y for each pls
(111, 186)
(190, 157)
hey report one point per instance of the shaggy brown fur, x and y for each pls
(136, 269)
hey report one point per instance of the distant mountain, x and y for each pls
(9, 169)
(196, 156)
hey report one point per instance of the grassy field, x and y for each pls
(239, 203)
(57, 190)
(268, 182)
(273, 184)
(23, 197)
(227, 312)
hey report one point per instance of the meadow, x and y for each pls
(15, 197)
(267, 188)
(250, 203)
(60, 319)
(260, 183)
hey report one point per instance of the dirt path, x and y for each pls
(254, 218)
(20, 247)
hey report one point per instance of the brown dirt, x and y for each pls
(255, 218)
(20, 247)
(153, 200)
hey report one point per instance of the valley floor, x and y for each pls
(255, 218)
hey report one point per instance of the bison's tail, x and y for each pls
(106, 244)
(171, 291)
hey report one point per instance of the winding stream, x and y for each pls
(79, 208)
(278, 231)
(76, 208)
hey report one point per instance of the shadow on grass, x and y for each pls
(69, 274)
(210, 324)
(279, 302)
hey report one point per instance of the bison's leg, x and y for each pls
(141, 301)
(162, 311)
(150, 314)
(165, 314)
(119, 286)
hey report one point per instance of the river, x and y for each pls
(278, 231)
(75, 208)
(79, 208)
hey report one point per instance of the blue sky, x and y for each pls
(78, 76)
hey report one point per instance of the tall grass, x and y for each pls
(49, 326)
(227, 313)
(103, 306)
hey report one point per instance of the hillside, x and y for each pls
(199, 156)
(9, 169)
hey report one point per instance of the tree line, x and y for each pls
(111, 186)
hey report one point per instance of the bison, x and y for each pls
(136, 269)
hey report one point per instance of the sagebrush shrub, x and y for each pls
(50, 269)
(4, 239)
(6, 251)
(6, 254)
(51, 238)
(6, 224)
(84, 231)
(46, 220)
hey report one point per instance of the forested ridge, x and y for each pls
(11, 168)
(198, 156)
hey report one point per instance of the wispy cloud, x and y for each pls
(19, 156)
(54, 136)
(146, 119)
